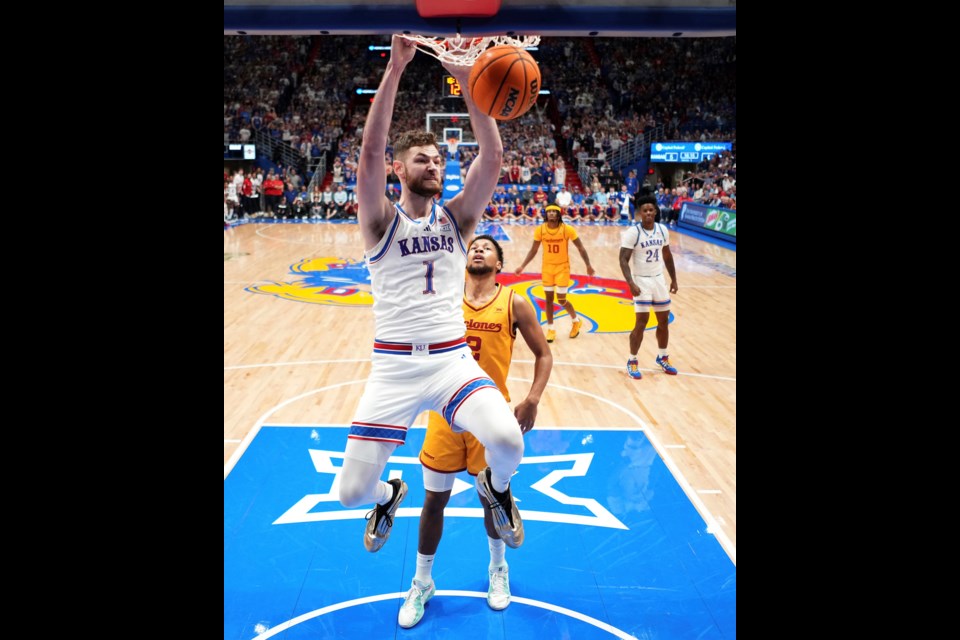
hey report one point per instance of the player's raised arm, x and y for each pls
(374, 210)
(468, 205)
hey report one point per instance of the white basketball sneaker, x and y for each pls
(498, 595)
(412, 608)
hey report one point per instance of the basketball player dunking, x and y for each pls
(416, 256)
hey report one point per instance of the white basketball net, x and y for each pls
(464, 51)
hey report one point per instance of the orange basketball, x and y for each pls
(504, 82)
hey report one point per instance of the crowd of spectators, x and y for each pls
(714, 182)
(302, 92)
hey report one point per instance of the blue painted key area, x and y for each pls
(613, 549)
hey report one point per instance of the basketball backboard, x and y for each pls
(577, 18)
(444, 124)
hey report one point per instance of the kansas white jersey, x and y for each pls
(647, 247)
(417, 274)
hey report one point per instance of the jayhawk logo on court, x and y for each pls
(605, 304)
(332, 281)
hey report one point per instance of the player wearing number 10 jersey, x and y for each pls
(492, 314)
(555, 235)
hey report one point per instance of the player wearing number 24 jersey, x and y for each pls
(644, 252)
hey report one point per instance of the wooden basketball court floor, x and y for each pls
(293, 362)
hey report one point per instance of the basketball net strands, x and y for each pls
(465, 51)
(452, 144)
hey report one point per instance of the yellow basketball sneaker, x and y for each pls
(575, 330)
(551, 335)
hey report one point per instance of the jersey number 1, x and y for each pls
(429, 277)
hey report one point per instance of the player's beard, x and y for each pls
(480, 270)
(422, 190)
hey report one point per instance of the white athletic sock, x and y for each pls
(633, 356)
(424, 569)
(550, 325)
(497, 549)
(663, 353)
(384, 492)
(499, 484)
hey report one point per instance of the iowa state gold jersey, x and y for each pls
(491, 334)
(555, 242)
